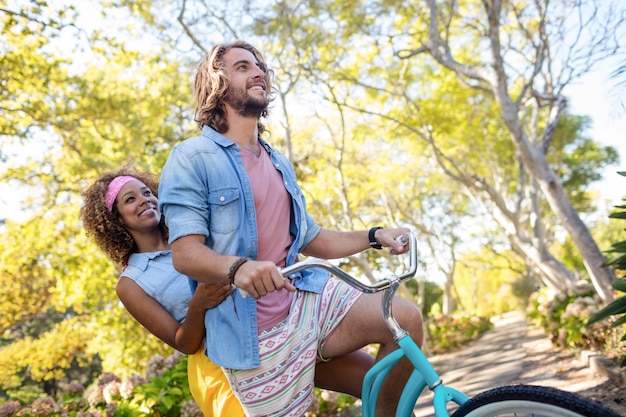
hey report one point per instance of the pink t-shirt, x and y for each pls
(273, 210)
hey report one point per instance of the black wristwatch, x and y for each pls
(373, 243)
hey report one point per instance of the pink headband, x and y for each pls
(114, 189)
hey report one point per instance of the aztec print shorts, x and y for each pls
(283, 384)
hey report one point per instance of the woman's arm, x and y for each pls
(192, 331)
(186, 338)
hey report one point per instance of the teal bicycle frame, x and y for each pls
(424, 374)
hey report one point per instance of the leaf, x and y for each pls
(616, 307)
(619, 215)
(619, 284)
(618, 246)
(619, 322)
(167, 401)
(616, 259)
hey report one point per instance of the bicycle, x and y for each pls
(514, 400)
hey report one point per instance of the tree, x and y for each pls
(86, 107)
(505, 58)
(620, 76)
(538, 89)
(514, 59)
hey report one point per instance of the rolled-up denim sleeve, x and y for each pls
(312, 230)
(183, 197)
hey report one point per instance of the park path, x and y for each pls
(495, 359)
(514, 352)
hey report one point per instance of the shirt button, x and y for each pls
(222, 198)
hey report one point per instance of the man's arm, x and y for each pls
(332, 244)
(199, 262)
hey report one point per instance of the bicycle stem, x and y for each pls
(387, 298)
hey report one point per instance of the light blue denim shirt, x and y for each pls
(205, 190)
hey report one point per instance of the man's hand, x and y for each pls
(393, 239)
(258, 278)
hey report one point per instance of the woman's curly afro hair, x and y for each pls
(105, 227)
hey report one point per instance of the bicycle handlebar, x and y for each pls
(349, 279)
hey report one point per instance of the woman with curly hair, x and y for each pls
(120, 213)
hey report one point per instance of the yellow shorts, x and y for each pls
(210, 389)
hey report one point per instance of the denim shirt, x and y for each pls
(154, 273)
(205, 190)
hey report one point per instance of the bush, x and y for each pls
(329, 403)
(448, 332)
(563, 316)
(164, 392)
(617, 259)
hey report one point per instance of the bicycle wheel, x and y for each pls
(531, 401)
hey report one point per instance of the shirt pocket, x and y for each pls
(224, 210)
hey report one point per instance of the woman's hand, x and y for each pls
(210, 295)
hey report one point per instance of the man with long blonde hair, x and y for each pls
(236, 214)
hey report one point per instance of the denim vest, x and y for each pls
(155, 274)
(205, 190)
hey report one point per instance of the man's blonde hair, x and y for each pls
(212, 81)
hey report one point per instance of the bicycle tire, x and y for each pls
(531, 401)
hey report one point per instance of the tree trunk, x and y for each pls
(537, 165)
(448, 299)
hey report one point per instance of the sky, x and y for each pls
(596, 95)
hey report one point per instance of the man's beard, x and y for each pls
(245, 105)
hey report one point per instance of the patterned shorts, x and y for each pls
(283, 384)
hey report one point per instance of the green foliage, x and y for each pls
(329, 403)
(617, 259)
(433, 294)
(25, 394)
(447, 332)
(563, 317)
(86, 104)
(165, 394)
(114, 95)
(490, 282)
(577, 173)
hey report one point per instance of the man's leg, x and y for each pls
(344, 373)
(364, 325)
